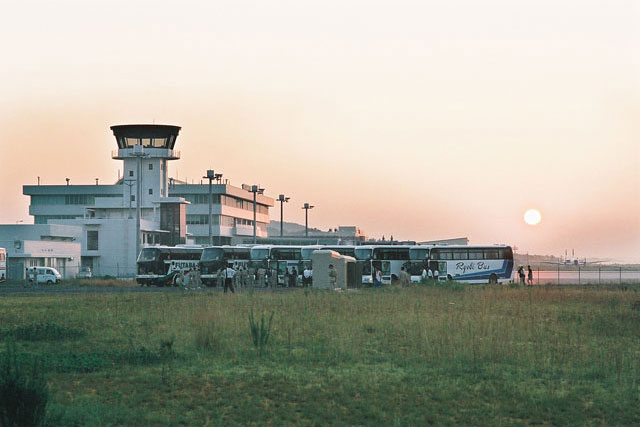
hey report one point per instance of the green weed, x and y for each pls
(260, 332)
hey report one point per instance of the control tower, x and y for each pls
(146, 149)
(153, 146)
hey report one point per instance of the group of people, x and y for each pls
(188, 279)
(528, 275)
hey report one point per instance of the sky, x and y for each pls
(418, 119)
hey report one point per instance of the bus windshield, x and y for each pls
(418, 254)
(362, 254)
(148, 254)
(259, 253)
(212, 254)
(306, 252)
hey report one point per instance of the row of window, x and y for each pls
(43, 219)
(147, 142)
(470, 254)
(69, 199)
(235, 202)
(227, 221)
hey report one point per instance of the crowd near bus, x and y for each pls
(291, 266)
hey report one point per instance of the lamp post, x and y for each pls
(210, 176)
(306, 208)
(255, 189)
(138, 152)
(282, 199)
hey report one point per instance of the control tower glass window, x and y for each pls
(130, 142)
(159, 142)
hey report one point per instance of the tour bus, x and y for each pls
(363, 255)
(387, 258)
(418, 261)
(280, 258)
(3, 264)
(473, 264)
(220, 257)
(158, 265)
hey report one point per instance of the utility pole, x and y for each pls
(255, 189)
(282, 199)
(306, 208)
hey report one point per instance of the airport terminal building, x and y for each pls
(166, 211)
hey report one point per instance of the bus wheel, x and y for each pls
(49, 282)
(449, 277)
(493, 279)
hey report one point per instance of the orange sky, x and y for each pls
(421, 119)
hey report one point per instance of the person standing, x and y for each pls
(261, 280)
(333, 276)
(521, 274)
(404, 277)
(378, 280)
(273, 278)
(293, 278)
(423, 276)
(220, 278)
(430, 274)
(436, 273)
(228, 279)
(306, 277)
(530, 275)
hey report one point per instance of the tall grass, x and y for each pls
(469, 355)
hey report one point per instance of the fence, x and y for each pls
(578, 276)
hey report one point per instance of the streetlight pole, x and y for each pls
(306, 208)
(210, 176)
(255, 189)
(138, 152)
(282, 199)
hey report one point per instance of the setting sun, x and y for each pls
(532, 217)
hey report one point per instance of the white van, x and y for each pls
(46, 275)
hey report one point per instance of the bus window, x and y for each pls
(446, 254)
(475, 254)
(491, 254)
(505, 253)
(460, 254)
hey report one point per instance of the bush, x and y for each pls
(260, 332)
(23, 394)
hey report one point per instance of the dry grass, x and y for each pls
(478, 355)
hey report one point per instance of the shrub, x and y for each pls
(23, 394)
(260, 332)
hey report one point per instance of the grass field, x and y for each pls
(424, 355)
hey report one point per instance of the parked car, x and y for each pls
(47, 275)
(84, 273)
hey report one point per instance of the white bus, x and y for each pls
(158, 265)
(282, 259)
(3, 264)
(387, 258)
(215, 258)
(472, 264)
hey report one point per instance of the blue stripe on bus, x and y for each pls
(503, 272)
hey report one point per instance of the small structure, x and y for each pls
(344, 266)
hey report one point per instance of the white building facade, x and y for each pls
(41, 245)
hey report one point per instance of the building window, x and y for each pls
(150, 166)
(92, 240)
(150, 191)
(133, 198)
(130, 173)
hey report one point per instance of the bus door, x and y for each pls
(441, 266)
